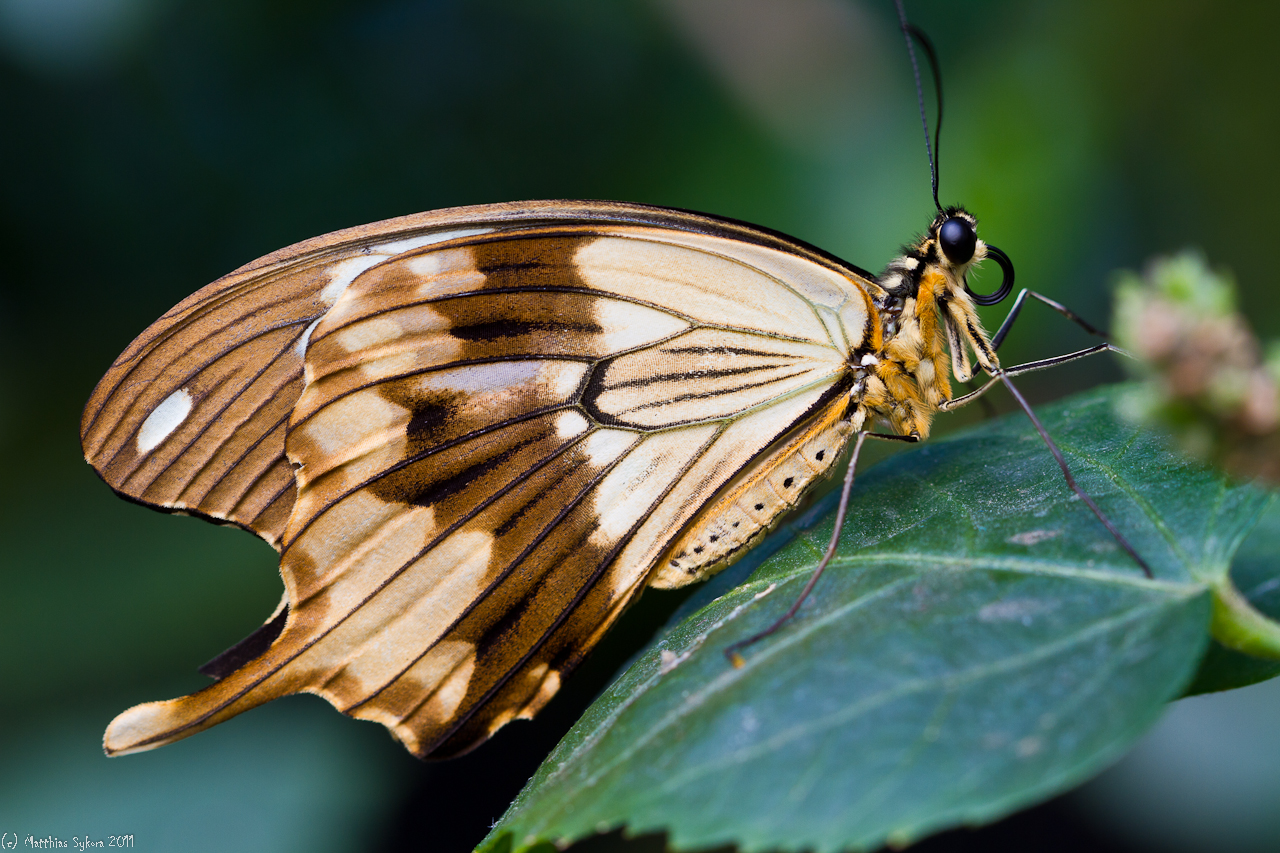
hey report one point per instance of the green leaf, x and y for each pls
(978, 644)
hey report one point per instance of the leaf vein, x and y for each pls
(907, 688)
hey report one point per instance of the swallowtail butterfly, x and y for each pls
(475, 435)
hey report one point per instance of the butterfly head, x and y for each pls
(951, 245)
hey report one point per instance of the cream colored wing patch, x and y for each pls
(704, 375)
(479, 497)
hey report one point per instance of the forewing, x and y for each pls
(192, 416)
(486, 477)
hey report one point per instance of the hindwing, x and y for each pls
(496, 436)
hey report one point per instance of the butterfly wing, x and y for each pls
(499, 437)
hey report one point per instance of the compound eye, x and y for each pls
(958, 240)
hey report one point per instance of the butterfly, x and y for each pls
(475, 435)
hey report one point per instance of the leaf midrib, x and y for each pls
(851, 712)
(948, 683)
(1020, 565)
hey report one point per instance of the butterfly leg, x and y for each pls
(988, 408)
(732, 651)
(1027, 367)
(999, 336)
(1066, 472)
(1003, 376)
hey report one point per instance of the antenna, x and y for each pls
(910, 31)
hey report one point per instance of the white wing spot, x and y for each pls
(570, 424)
(301, 346)
(566, 382)
(164, 419)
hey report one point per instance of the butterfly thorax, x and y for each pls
(928, 324)
(924, 326)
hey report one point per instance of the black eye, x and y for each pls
(958, 240)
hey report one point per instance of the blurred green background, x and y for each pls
(149, 146)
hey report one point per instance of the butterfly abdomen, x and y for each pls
(752, 506)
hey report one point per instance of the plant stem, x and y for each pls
(1237, 625)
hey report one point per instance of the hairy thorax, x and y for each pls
(907, 379)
